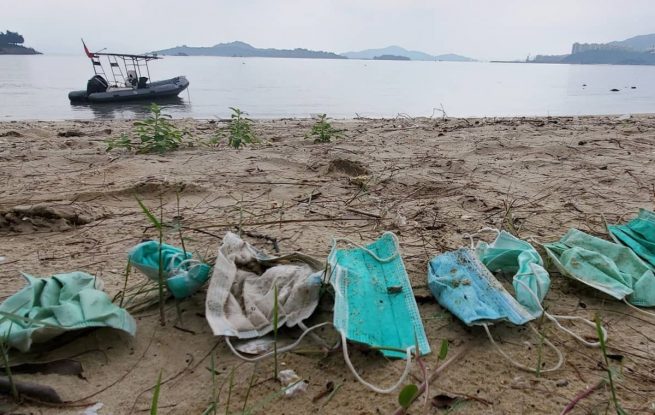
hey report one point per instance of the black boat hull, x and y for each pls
(153, 91)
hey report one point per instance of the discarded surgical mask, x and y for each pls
(183, 274)
(48, 307)
(463, 285)
(466, 288)
(510, 255)
(374, 303)
(609, 267)
(638, 235)
(241, 294)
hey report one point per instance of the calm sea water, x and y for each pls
(36, 87)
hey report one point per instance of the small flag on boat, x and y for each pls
(86, 50)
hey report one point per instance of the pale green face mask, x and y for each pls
(512, 256)
(606, 266)
(638, 235)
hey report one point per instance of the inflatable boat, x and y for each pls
(98, 90)
(128, 79)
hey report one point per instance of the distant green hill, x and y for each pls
(390, 58)
(10, 44)
(399, 51)
(244, 50)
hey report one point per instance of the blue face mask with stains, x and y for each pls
(464, 286)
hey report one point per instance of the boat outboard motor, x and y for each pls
(96, 84)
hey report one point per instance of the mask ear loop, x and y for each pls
(280, 350)
(560, 356)
(346, 357)
(648, 313)
(555, 319)
(470, 236)
(372, 387)
(368, 251)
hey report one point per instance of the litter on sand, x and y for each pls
(183, 274)
(609, 267)
(48, 307)
(638, 235)
(241, 296)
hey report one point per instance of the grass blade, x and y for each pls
(155, 396)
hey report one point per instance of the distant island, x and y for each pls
(11, 44)
(390, 58)
(638, 50)
(244, 50)
(411, 54)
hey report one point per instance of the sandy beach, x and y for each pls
(66, 204)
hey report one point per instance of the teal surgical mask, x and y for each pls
(512, 256)
(609, 267)
(183, 274)
(374, 302)
(466, 288)
(638, 235)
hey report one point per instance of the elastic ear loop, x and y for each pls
(470, 236)
(648, 313)
(280, 350)
(560, 356)
(372, 387)
(345, 356)
(368, 251)
(555, 319)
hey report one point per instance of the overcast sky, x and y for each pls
(482, 29)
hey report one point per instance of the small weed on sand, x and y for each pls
(239, 131)
(156, 134)
(323, 131)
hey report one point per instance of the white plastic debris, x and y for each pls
(93, 410)
(256, 346)
(2, 259)
(624, 117)
(399, 220)
(289, 377)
